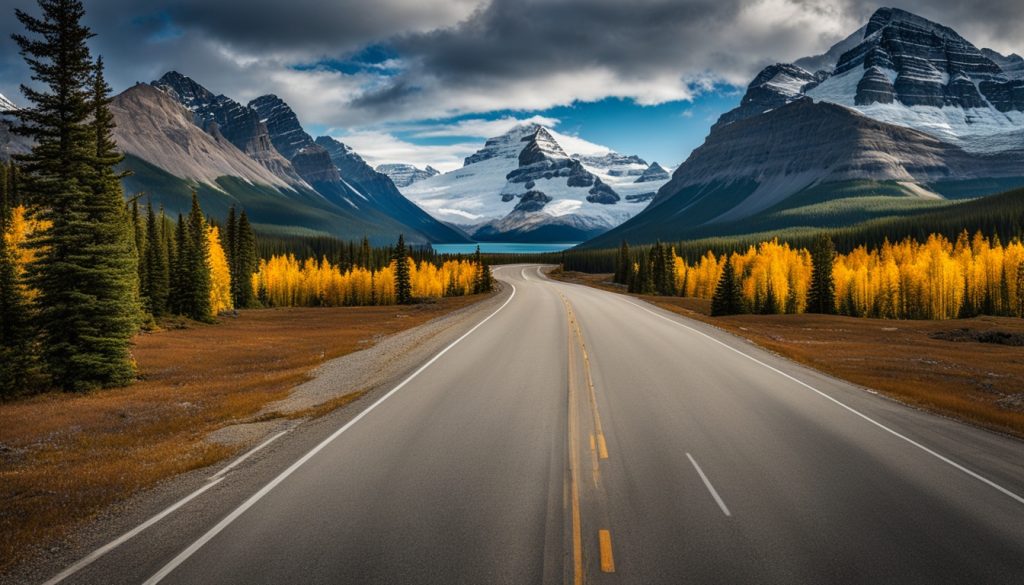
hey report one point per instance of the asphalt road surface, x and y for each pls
(578, 436)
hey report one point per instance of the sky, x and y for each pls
(426, 81)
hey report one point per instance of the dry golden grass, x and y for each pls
(981, 383)
(63, 458)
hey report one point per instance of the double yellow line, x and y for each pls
(598, 448)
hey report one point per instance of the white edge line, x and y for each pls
(707, 483)
(935, 454)
(220, 526)
(248, 454)
(96, 554)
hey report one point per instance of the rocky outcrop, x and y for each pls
(931, 65)
(532, 201)
(653, 173)
(283, 125)
(221, 116)
(156, 127)
(775, 86)
(617, 165)
(403, 175)
(602, 194)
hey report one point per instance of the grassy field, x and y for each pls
(948, 367)
(63, 457)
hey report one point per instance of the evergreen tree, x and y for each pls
(623, 264)
(452, 290)
(85, 272)
(179, 269)
(139, 244)
(229, 241)
(197, 265)
(156, 284)
(821, 296)
(403, 284)
(728, 299)
(246, 260)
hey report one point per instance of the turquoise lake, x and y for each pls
(501, 248)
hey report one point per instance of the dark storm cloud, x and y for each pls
(504, 54)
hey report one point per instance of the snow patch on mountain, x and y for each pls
(591, 190)
(6, 105)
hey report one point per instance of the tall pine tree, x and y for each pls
(728, 298)
(156, 284)
(197, 266)
(821, 296)
(85, 272)
(403, 282)
(246, 261)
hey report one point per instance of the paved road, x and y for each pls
(581, 436)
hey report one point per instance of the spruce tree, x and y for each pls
(157, 281)
(177, 301)
(727, 299)
(230, 245)
(198, 265)
(403, 282)
(821, 296)
(85, 272)
(623, 264)
(247, 262)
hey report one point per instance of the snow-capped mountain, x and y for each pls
(6, 104)
(903, 69)
(904, 109)
(403, 175)
(180, 136)
(523, 186)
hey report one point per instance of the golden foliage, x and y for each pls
(937, 279)
(220, 274)
(285, 281)
(21, 227)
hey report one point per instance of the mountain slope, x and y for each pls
(903, 114)
(804, 154)
(170, 155)
(522, 186)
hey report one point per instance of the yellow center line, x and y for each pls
(607, 559)
(577, 530)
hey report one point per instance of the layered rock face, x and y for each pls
(286, 134)
(221, 116)
(925, 64)
(403, 175)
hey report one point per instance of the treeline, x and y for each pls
(345, 254)
(191, 267)
(1000, 215)
(934, 279)
(285, 281)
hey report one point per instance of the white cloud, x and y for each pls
(378, 147)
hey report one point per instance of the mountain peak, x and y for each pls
(884, 17)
